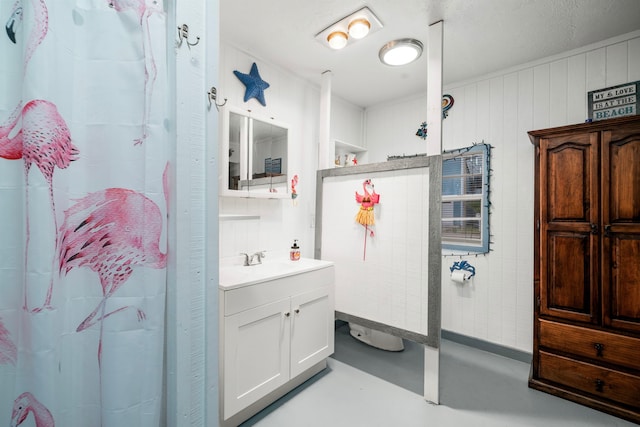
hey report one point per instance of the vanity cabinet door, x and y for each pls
(312, 329)
(256, 354)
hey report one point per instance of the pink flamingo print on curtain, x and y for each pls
(11, 148)
(44, 140)
(40, 26)
(25, 404)
(8, 351)
(111, 232)
(143, 12)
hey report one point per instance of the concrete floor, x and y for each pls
(477, 388)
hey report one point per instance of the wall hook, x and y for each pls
(212, 95)
(183, 35)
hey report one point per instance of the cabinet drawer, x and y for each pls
(597, 345)
(595, 380)
(240, 299)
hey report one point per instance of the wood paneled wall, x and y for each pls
(497, 306)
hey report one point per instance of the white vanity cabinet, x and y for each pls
(274, 335)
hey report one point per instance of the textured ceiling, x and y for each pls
(480, 36)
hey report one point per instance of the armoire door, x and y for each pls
(621, 219)
(569, 227)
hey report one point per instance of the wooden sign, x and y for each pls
(614, 101)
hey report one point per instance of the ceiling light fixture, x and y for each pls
(337, 39)
(359, 28)
(349, 29)
(400, 52)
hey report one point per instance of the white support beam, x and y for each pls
(325, 146)
(434, 147)
(432, 374)
(434, 89)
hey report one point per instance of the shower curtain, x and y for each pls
(83, 212)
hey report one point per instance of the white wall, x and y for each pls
(390, 128)
(294, 101)
(499, 109)
(381, 276)
(347, 122)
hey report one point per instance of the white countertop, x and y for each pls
(236, 275)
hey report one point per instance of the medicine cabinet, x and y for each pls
(254, 156)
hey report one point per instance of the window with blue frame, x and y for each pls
(465, 199)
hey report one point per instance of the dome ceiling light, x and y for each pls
(400, 52)
(349, 29)
(337, 40)
(359, 28)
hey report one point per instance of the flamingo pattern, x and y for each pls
(111, 232)
(44, 140)
(25, 404)
(39, 31)
(11, 147)
(143, 12)
(14, 21)
(44, 137)
(8, 352)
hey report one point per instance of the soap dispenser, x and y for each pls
(294, 255)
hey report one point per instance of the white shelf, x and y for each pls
(349, 148)
(234, 217)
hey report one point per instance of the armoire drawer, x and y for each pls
(601, 382)
(597, 345)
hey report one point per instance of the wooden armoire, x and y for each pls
(587, 264)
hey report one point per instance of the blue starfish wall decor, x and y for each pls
(254, 84)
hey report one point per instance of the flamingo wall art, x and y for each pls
(365, 214)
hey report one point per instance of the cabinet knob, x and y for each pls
(287, 314)
(594, 229)
(297, 310)
(599, 384)
(599, 347)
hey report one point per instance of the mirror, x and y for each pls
(256, 156)
(236, 151)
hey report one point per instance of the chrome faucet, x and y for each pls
(248, 259)
(259, 255)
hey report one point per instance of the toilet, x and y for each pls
(376, 338)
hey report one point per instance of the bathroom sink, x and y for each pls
(233, 276)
